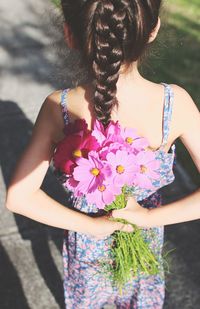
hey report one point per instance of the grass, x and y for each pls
(176, 58)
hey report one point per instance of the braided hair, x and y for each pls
(110, 33)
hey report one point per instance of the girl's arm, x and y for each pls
(188, 208)
(24, 195)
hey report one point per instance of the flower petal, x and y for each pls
(143, 181)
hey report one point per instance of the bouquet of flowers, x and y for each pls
(103, 165)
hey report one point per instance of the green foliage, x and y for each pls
(56, 2)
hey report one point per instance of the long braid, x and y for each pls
(108, 34)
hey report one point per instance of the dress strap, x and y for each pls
(167, 112)
(63, 103)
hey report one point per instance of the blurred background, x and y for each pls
(34, 61)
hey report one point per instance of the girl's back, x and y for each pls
(141, 107)
(147, 107)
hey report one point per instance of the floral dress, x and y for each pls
(85, 286)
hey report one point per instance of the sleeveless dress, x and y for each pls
(85, 287)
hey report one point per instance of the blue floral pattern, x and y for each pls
(85, 287)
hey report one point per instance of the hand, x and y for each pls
(104, 227)
(134, 213)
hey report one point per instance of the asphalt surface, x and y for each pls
(31, 271)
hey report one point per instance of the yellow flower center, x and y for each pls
(143, 169)
(120, 169)
(101, 188)
(77, 153)
(95, 171)
(129, 140)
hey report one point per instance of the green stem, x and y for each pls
(130, 252)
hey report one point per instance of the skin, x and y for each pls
(24, 195)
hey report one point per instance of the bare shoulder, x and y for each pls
(52, 104)
(51, 113)
(53, 110)
(181, 93)
(184, 111)
(187, 119)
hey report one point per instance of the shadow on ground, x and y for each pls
(15, 131)
(11, 291)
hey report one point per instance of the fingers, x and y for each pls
(126, 228)
(132, 204)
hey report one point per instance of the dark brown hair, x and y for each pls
(110, 33)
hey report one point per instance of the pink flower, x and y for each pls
(111, 147)
(71, 148)
(113, 129)
(100, 162)
(124, 167)
(90, 173)
(72, 184)
(79, 125)
(103, 195)
(99, 132)
(133, 140)
(148, 166)
(109, 135)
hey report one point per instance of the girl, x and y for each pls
(112, 36)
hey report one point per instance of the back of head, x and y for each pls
(110, 33)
